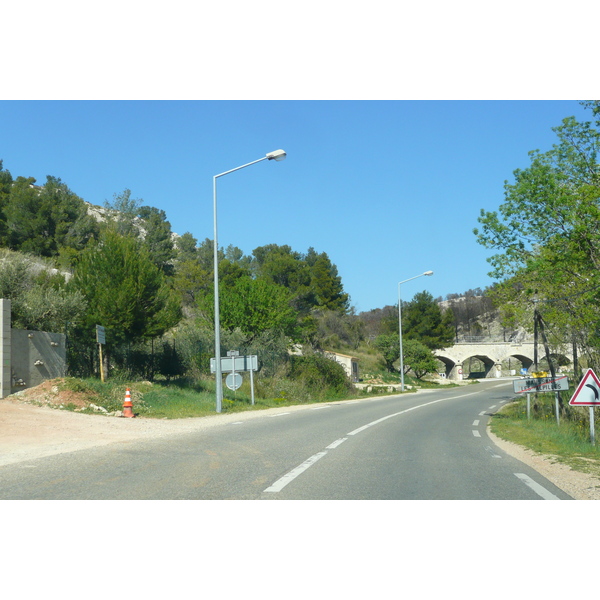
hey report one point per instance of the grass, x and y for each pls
(180, 399)
(567, 443)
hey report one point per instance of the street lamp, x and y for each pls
(276, 155)
(400, 325)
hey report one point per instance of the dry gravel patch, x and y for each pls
(28, 431)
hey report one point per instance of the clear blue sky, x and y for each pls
(388, 189)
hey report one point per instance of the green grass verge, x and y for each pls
(182, 399)
(567, 443)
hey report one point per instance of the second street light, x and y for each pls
(276, 155)
(400, 325)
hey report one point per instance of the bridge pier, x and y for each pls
(456, 372)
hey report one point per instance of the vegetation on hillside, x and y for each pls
(68, 266)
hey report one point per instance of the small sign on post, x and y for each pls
(588, 394)
(101, 339)
(540, 384)
(234, 364)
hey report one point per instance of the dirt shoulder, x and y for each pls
(28, 431)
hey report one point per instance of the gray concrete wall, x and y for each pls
(28, 358)
(36, 357)
(5, 337)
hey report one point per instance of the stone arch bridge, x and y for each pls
(494, 356)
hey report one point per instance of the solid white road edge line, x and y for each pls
(536, 487)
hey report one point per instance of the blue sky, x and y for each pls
(388, 189)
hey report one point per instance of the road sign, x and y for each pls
(100, 334)
(588, 391)
(540, 384)
(233, 381)
(230, 364)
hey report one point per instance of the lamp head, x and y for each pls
(428, 273)
(276, 155)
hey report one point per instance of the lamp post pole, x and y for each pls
(400, 326)
(277, 155)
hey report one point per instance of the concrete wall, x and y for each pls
(28, 357)
(5, 375)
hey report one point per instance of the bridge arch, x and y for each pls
(495, 358)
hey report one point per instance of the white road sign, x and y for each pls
(233, 381)
(588, 391)
(540, 384)
(229, 364)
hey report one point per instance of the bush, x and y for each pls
(319, 373)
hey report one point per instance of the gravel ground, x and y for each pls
(28, 432)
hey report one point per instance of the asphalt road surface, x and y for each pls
(430, 445)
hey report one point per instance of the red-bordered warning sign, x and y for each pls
(588, 391)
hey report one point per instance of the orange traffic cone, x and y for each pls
(128, 405)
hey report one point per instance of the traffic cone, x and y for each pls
(128, 405)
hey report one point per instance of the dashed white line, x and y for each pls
(476, 433)
(336, 443)
(536, 487)
(492, 406)
(482, 413)
(319, 407)
(475, 422)
(283, 481)
(279, 415)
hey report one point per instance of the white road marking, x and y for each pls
(237, 423)
(475, 422)
(279, 415)
(492, 406)
(319, 407)
(494, 455)
(536, 487)
(482, 413)
(289, 477)
(355, 431)
(476, 433)
(283, 481)
(336, 443)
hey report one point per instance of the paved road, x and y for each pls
(430, 445)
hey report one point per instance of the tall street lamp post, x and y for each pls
(400, 325)
(277, 155)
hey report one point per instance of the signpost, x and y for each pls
(101, 339)
(540, 384)
(233, 364)
(588, 394)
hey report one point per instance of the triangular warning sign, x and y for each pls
(588, 391)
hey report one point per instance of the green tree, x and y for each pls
(6, 181)
(253, 306)
(43, 220)
(158, 237)
(186, 247)
(126, 292)
(418, 358)
(41, 302)
(389, 346)
(326, 284)
(547, 233)
(423, 320)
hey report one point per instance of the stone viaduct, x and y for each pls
(499, 358)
